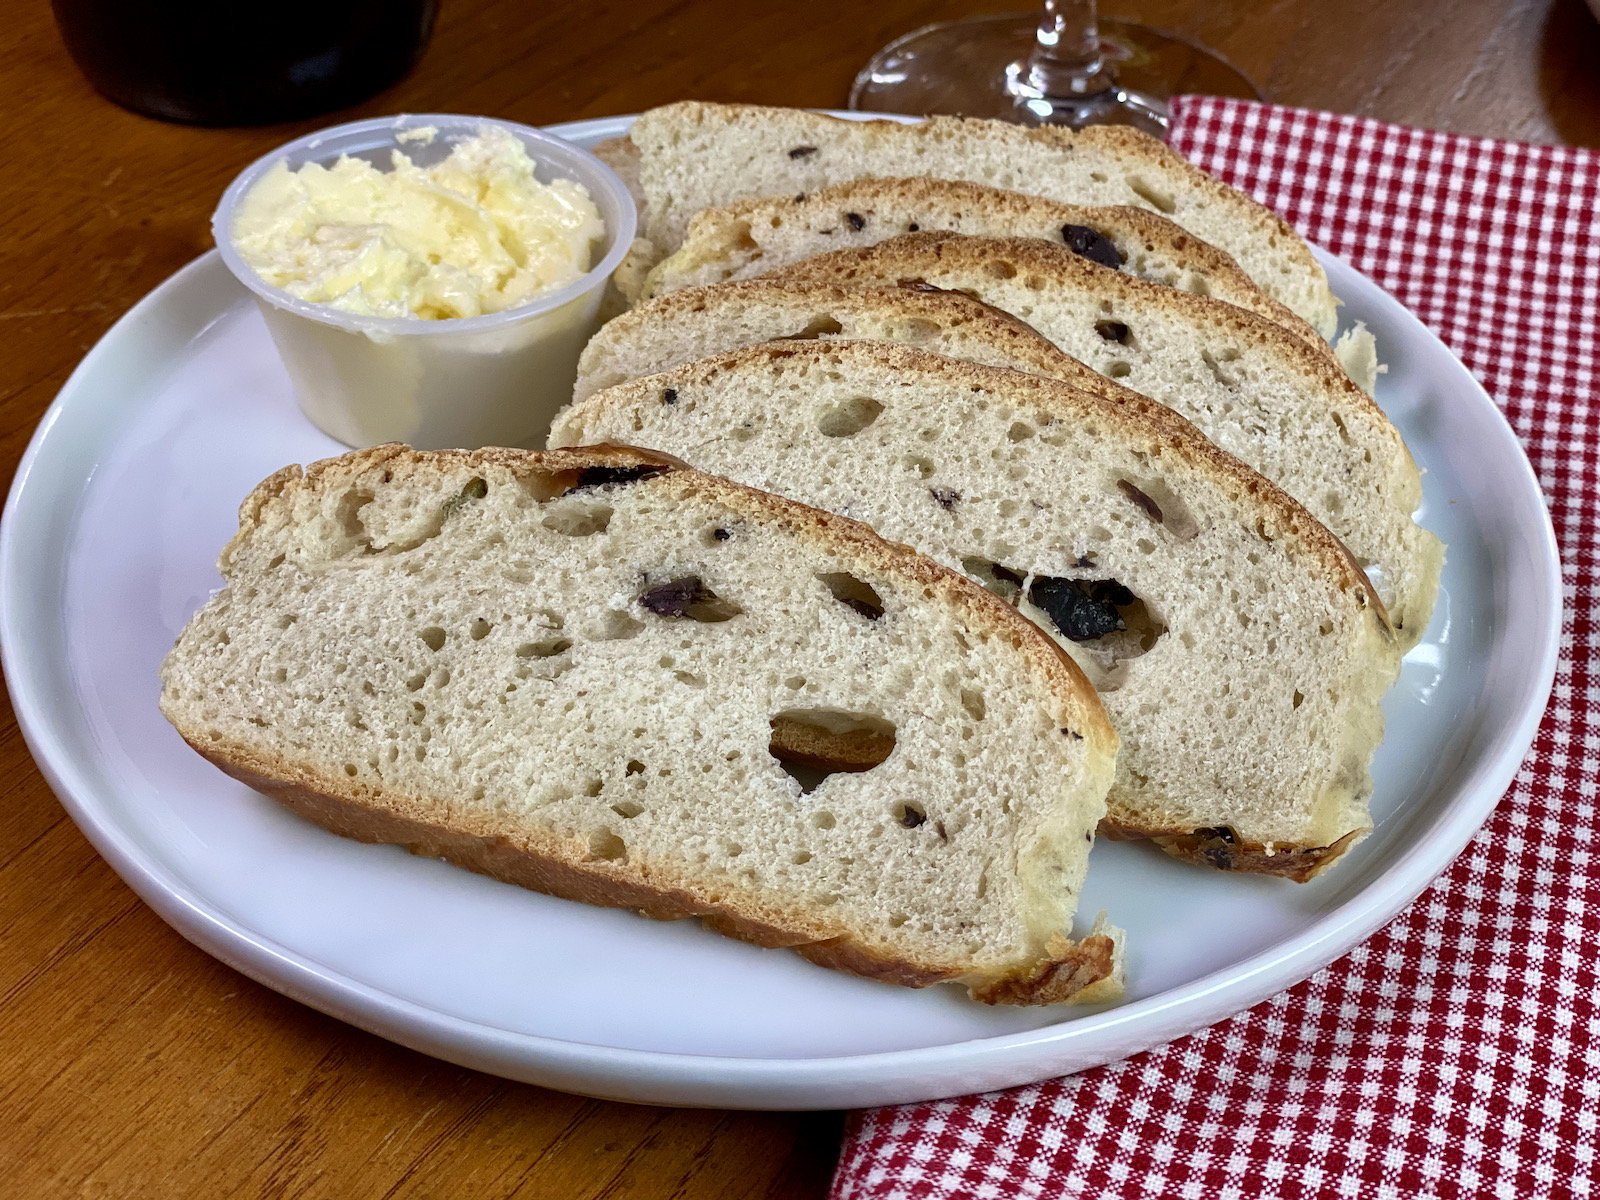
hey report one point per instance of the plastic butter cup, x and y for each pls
(491, 380)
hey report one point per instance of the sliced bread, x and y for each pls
(751, 237)
(693, 156)
(1239, 649)
(602, 675)
(1252, 389)
(697, 322)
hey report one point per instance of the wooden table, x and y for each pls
(131, 1064)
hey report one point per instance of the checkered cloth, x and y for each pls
(1433, 1060)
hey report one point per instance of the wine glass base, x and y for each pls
(978, 67)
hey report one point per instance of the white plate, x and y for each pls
(129, 490)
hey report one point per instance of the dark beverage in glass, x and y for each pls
(216, 62)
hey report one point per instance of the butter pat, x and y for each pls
(476, 233)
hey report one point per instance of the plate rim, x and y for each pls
(662, 1077)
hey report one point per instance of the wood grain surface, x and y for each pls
(133, 1065)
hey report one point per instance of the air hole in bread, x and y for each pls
(577, 518)
(917, 331)
(800, 857)
(599, 477)
(1162, 505)
(1117, 369)
(1113, 331)
(1020, 431)
(277, 562)
(972, 701)
(854, 593)
(688, 597)
(1216, 362)
(480, 629)
(612, 625)
(909, 815)
(349, 513)
(432, 637)
(1155, 196)
(823, 326)
(823, 819)
(1298, 699)
(689, 678)
(548, 648)
(741, 433)
(812, 743)
(795, 682)
(1104, 618)
(606, 846)
(848, 417)
(1001, 580)
(922, 466)
(999, 269)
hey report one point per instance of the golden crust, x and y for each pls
(1221, 848)
(1135, 150)
(1228, 280)
(910, 252)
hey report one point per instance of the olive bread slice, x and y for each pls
(1240, 651)
(604, 676)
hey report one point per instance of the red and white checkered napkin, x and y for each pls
(1434, 1060)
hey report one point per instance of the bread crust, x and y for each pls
(1147, 161)
(947, 199)
(1221, 849)
(1016, 339)
(909, 251)
(546, 863)
(365, 817)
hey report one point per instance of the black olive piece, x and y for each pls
(1073, 734)
(1093, 245)
(1112, 331)
(1074, 611)
(591, 477)
(669, 396)
(1151, 508)
(911, 817)
(1107, 591)
(1005, 573)
(913, 227)
(948, 498)
(857, 221)
(1084, 561)
(1216, 848)
(722, 535)
(802, 151)
(689, 597)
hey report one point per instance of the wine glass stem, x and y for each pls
(1066, 59)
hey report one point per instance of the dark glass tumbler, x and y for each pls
(216, 62)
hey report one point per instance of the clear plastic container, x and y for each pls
(492, 380)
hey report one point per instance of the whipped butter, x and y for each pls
(476, 233)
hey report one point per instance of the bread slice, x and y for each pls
(585, 672)
(1241, 653)
(751, 237)
(1254, 390)
(697, 322)
(693, 156)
